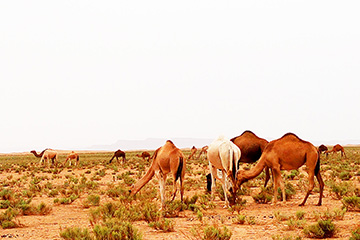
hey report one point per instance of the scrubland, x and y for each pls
(91, 201)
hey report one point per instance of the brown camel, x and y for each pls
(203, 151)
(144, 155)
(335, 149)
(322, 148)
(72, 156)
(223, 155)
(46, 155)
(166, 159)
(287, 153)
(251, 147)
(192, 152)
(117, 155)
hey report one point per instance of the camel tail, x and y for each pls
(317, 167)
(179, 170)
(233, 165)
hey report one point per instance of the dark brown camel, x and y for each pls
(335, 149)
(322, 148)
(193, 151)
(38, 155)
(144, 155)
(251, 147)
(117, 155)
(287, 153)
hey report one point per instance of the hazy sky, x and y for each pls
(79, 73)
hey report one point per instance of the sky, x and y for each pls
(80, 73)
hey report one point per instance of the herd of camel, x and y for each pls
(286, 153)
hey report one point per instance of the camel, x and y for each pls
(46, 155)
(203, 151)
(144, 155)
(322, 148)
(251, 147)
(192, 152)
(335, 149)
(166, 159)
(223, 155)
(287, 153)
(117, 155)
(72, 156)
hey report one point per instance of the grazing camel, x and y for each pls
(46, 155)
(322, 148)
(144, 155)
(287, 153)
(223, 155)
(192, 152)
(117, 155)
(335, 149)
(203, 151)
(72, 156)
(251, 147)
(166, 159)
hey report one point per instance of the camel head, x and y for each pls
(240, 178)
(131, 190)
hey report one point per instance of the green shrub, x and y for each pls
(341, 189)
(351, 203)
(116, 230)
(163, 224)
(239, 219)
(76, 233)
(215, 232)
(322, 229)
(355, 235)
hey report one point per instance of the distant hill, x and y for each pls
(153, 143)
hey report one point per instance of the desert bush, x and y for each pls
(239, 219)
(7, 218)
(173, 208)
(341, 189)
(209, 232)
(91, 200)
(351, 203)
(279, 216)
(76, 233)
(215, 232)
(355, 234)
(345, 175)
(163, 224)
(263, 197)
(322, 229)
(116, 230)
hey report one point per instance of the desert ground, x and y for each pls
(44, 202)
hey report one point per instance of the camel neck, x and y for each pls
(256, 170)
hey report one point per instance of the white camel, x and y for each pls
(223, 155)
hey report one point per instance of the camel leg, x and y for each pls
(321, 183)
(161, 178)
(267, 176)
(174, 186)
(213, 184)
(276, 179)
(182, 186)
(310, 188)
